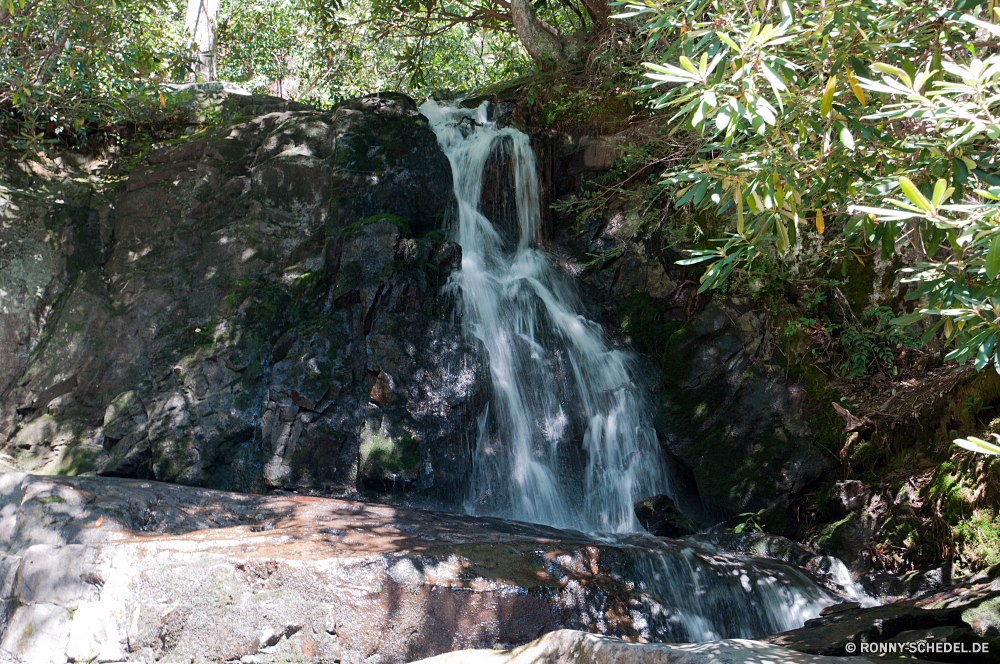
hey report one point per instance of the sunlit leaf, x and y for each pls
(827, 103)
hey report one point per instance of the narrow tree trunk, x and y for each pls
(540, 40)
(201, 29)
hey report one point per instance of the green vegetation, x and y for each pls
(72, 68)
(384, 459)
(815, 116)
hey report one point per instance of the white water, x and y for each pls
(564, 404)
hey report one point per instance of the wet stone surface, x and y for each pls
(258, 306)
(137, 570)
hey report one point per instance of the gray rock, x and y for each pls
(253, 290)
(37, 634)
(172, 573)
(58, 575)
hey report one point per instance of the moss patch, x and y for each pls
(637, 320)
(393, 219)
(383, 458)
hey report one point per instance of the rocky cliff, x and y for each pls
(257, 306)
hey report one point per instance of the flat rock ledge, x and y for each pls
(96, 569)
(567, 646)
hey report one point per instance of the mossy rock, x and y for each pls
(397, 221)
(385, 459)
(735, 422)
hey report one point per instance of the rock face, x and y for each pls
(730, 416)
(659, 516)
(257, 306)
(132, 570)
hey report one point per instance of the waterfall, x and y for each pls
(567, 439)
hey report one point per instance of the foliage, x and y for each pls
(864, 346)
(74, 66)
(979, 445)
(749, 524)
(872, 344)
(321, 53)
(799, 134)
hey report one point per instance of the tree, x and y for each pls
(73, 65)
(323, 52)
(821, 116)
(201, 27)
(536, 24)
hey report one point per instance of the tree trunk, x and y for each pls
(540, 40)
(599, 12)
(201, 29)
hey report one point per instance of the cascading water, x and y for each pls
(555, 377)
(555, 380)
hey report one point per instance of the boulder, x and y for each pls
(256, 307)
(843, 632)
(660, 517)
(734, 420)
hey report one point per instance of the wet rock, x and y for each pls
(144, 571)
(237, 303)
(659, 516)
(569, 646)
(830, 635)
(909, 584)
(845, 496)
(837, 608)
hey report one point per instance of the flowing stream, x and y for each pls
(556, 381)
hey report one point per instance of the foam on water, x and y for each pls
(557, 380)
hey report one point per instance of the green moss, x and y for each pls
(832, 535)
(826, 425)
(78, 459)
(858, 284)
(435, 236)
(52, 499)
(637, 319)
(383, 458)
(725, 479)
(395, 220)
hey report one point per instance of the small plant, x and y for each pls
(973, 404)
(750, 523)
(871, 346)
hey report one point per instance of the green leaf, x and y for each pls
(847, 138)
(961, 170)
(966, 5)
(993, 258)
(914, 194)
(909, 319)
(779, 226)
(697, 259)
(978, 445)
(940, 191)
